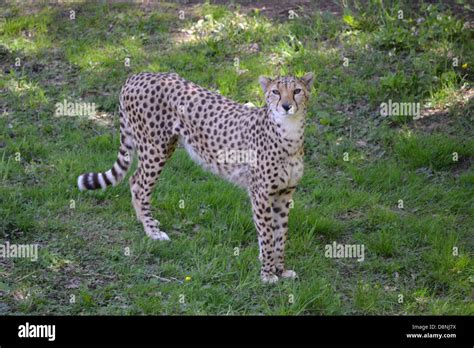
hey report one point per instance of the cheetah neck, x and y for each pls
(288, 131)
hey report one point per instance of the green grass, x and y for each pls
(94, 257)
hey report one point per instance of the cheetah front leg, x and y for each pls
(280, 210)
(262, 217)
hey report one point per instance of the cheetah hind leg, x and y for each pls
(135, 195)
(141, 186)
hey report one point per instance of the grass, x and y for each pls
(401, 187)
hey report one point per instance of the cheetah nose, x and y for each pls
(286, 106)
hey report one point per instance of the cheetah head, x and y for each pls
(287, 96)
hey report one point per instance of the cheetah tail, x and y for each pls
(93, 181)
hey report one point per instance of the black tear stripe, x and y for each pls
(279, 95)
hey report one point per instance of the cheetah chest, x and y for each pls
(291, 172)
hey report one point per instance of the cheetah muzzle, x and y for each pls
(259, 149)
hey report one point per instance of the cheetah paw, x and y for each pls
(156, 234)
(269, 278)
(289, 274)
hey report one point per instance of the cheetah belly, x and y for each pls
(238, 175)
(235, 173)
(196, 157)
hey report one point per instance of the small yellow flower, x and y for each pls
(188, 278)
(464, 66)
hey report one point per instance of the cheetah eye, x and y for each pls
(275, 91)
(296, 91)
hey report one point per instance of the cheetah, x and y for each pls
(257, 148)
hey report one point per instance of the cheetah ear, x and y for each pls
(308, 79)
(264, 82)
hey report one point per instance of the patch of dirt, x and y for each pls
(350, 215)
(437, 119)
(277, 10)
(280, 10)
(462, 165)
(454, 6)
